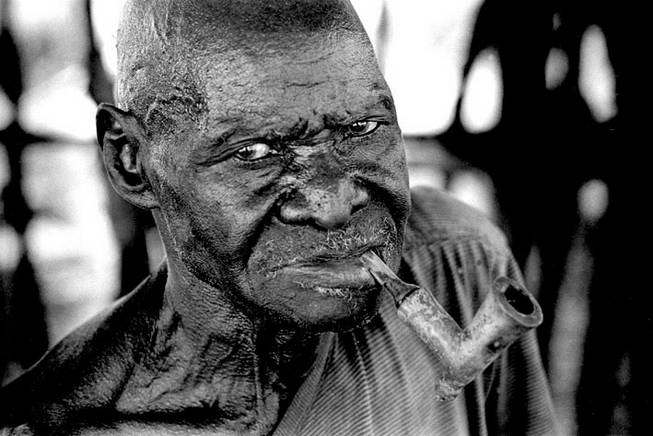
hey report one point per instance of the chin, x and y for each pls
(339, 310)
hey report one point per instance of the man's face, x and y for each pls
(293, 171)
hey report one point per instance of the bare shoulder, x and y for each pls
(84, 371)
(78, 368)
(127, 429)
(20, 430)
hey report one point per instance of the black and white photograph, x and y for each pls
(324, 217)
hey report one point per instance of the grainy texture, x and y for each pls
(374, 380)
(242, 128)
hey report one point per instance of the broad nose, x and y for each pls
(325, 206)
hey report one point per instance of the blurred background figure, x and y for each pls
(55, 230)
(18, 287)
(616, 373)
(525, 110)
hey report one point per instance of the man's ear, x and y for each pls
(118, 134)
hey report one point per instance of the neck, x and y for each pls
(207, 355)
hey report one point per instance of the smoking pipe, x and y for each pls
(508, 311)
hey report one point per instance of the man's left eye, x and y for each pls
(362, 128)
(252, 152)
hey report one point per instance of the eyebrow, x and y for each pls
(300, 130)
(205, 154)
(244, 131)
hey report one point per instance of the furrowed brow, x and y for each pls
(212, 147)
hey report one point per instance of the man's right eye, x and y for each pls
(252, 152)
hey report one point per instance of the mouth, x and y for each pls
(308, 256)
(332, 275)
(334, 257)
(332, 251)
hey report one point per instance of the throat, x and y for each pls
(240, 376)
(284, 361)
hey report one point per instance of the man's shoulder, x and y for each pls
(86, 369)
(437, 217)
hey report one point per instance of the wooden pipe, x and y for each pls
(507, 312)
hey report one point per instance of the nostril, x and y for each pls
(360, 199)
(293, 209)
(356, 207)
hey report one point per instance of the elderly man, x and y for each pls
(263, 138)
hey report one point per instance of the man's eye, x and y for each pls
(362, 128)
(255, 151)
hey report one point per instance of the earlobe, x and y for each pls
(119, 136)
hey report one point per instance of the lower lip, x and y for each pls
(347, 273)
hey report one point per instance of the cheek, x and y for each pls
(392, 162)
(380, 157)
(383, 169)
(212, 225)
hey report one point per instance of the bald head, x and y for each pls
(166, 47)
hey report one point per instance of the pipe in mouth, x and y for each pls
(507, 312)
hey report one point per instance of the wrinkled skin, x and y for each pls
(290, 155)
(266, 145)
(267, 198)
(233, 221)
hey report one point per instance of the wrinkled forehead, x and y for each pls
(300, 75)
(245, 56)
